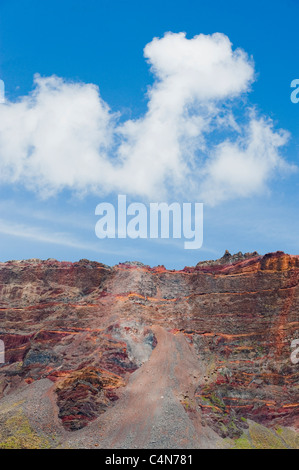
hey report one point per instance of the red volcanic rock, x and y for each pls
(91, 329)
(84, 394)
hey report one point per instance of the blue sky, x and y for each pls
(44, 215)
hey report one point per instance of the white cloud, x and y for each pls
(63, 135)
(38, 234)
(56, 137)
(243, 167)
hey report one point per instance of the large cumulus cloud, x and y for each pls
(64, 136)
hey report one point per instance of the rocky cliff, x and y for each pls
(133, 356)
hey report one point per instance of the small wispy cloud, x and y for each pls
(33, 233)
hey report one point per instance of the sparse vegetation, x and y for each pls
(16, 433)
(261, 437)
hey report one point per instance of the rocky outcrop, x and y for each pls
(88, 328)
(228, 258)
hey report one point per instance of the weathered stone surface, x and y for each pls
(87, 327)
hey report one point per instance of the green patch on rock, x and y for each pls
(290, 437)
(264, 438)
(16, 433)
(242, 442)
(261, 437)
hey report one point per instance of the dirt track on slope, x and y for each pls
(149, 413)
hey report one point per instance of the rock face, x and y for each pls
(111, 345)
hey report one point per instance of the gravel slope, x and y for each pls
(149, 413)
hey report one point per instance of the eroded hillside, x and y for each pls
(133, 356)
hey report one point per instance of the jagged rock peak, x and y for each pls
(228, 258)
(133, 263)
